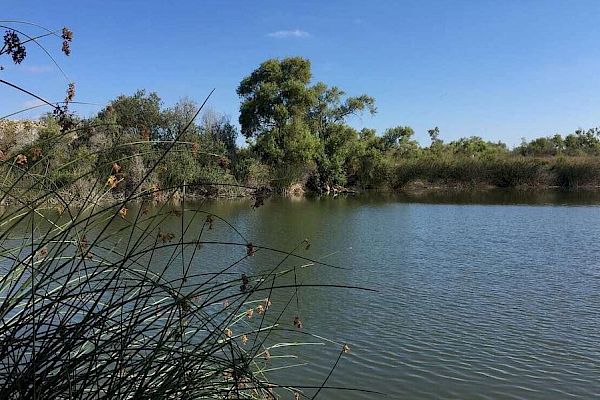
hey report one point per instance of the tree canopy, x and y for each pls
(290, 121)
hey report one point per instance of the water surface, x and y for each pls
(493, 295)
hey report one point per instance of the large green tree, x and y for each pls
(289, 121)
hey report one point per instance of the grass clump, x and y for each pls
(100, 297)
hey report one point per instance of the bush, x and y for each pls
(517, 171)
(250, 171)
(572, 173)
(500, 172)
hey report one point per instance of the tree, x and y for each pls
(543, 146)
(437, 144)
(475, 146)
(434, 135)
(288, 121)
(218, 128)
(399, 139)
(583, 142)
(273, 95)
(330, 108)
(138, 115)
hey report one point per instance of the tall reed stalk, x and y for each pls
(100, 302)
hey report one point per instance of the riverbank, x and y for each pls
(525, 173)
(413, 190)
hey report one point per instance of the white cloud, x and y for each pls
(39, 69)
(296, 33)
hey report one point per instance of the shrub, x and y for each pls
(517, 171)
(572, 173)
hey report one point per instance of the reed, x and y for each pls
(577, 172)
(502, 172)
(87, 311)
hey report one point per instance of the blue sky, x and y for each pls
(502, 70)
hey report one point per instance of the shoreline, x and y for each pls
(416, 188)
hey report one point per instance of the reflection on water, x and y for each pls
(491, 196)
(480, 295)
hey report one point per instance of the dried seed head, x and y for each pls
(123, 212)
(36, 153)
(165, 236)
(70, 93)
(250, 250)
(42, 253)
(244, 339)
(223, 162)
(14, 47)
(82, 247)
(83, 243)
(65, 118)
(145, 134)
(306, 244)
(260, 310)
(345, 348)
(67, 37)
(259, 196)
(228, 332)
(21, 160)
(66, 48)
(297, 322)
(249, 313)
(67, 34)
(155, 191)
(112, 182)
(209, 221)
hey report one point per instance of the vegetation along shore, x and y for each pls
(298, 140)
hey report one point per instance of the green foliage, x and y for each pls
(460, 171)
(249, 170)
(399, 140)
(90, 307)
(124, 140)
(572, 173)
(475, 146)
(297, 132)
(291, 123)
(180, 167)
(580, 143)
(515, 172)
(137, 115)
(273, 94)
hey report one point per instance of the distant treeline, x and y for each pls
(296, 133)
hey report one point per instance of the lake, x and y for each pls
(493, 295)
